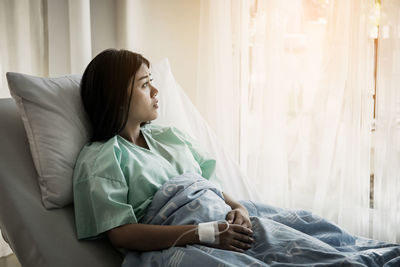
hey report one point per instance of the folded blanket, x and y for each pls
(282, 237)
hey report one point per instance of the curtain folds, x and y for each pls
(387, 134)
(23, 43)
(218, 90)
(305, 100)
(52, 38)
(80, 34)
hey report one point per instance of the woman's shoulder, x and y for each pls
(95, 155)
(93, 150)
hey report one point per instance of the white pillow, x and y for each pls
(56, 127)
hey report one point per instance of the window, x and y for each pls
(375, 35)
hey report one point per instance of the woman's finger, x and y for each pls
(238, 220)
(242, 229)
(233, 248)
(247, 223)
(240, 245)
(243, 238)
(230, 217)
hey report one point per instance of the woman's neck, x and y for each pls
(131, 132)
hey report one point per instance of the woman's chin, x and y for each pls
(154, 117)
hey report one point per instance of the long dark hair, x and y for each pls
(104, 91)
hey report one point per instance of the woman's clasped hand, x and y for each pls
(239, 216)
(237, 238)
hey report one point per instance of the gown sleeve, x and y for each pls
(207, 164)
(100, 196)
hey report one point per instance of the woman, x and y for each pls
(120, 179)
(128, 159)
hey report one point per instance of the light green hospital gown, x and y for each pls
(115, 181)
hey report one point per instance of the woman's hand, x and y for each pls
(239, 216)
(237, 238)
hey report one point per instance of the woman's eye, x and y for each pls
(147, 83)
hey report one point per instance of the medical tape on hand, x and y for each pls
(207, 232)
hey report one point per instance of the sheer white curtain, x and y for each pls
(23, 38)
(303, 93)
(51, 38)
(36, 40)
(387, 139)
(217, 94)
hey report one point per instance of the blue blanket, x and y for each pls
(282, 237)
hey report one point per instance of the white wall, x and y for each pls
(169, 29)
(160, 29)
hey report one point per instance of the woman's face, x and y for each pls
(143, 105)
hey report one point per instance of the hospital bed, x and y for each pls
(47, 237)
(37, 236)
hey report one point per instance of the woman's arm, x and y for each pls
(145, 237)
(231, 202)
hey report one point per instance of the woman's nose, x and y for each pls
(154, 91)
